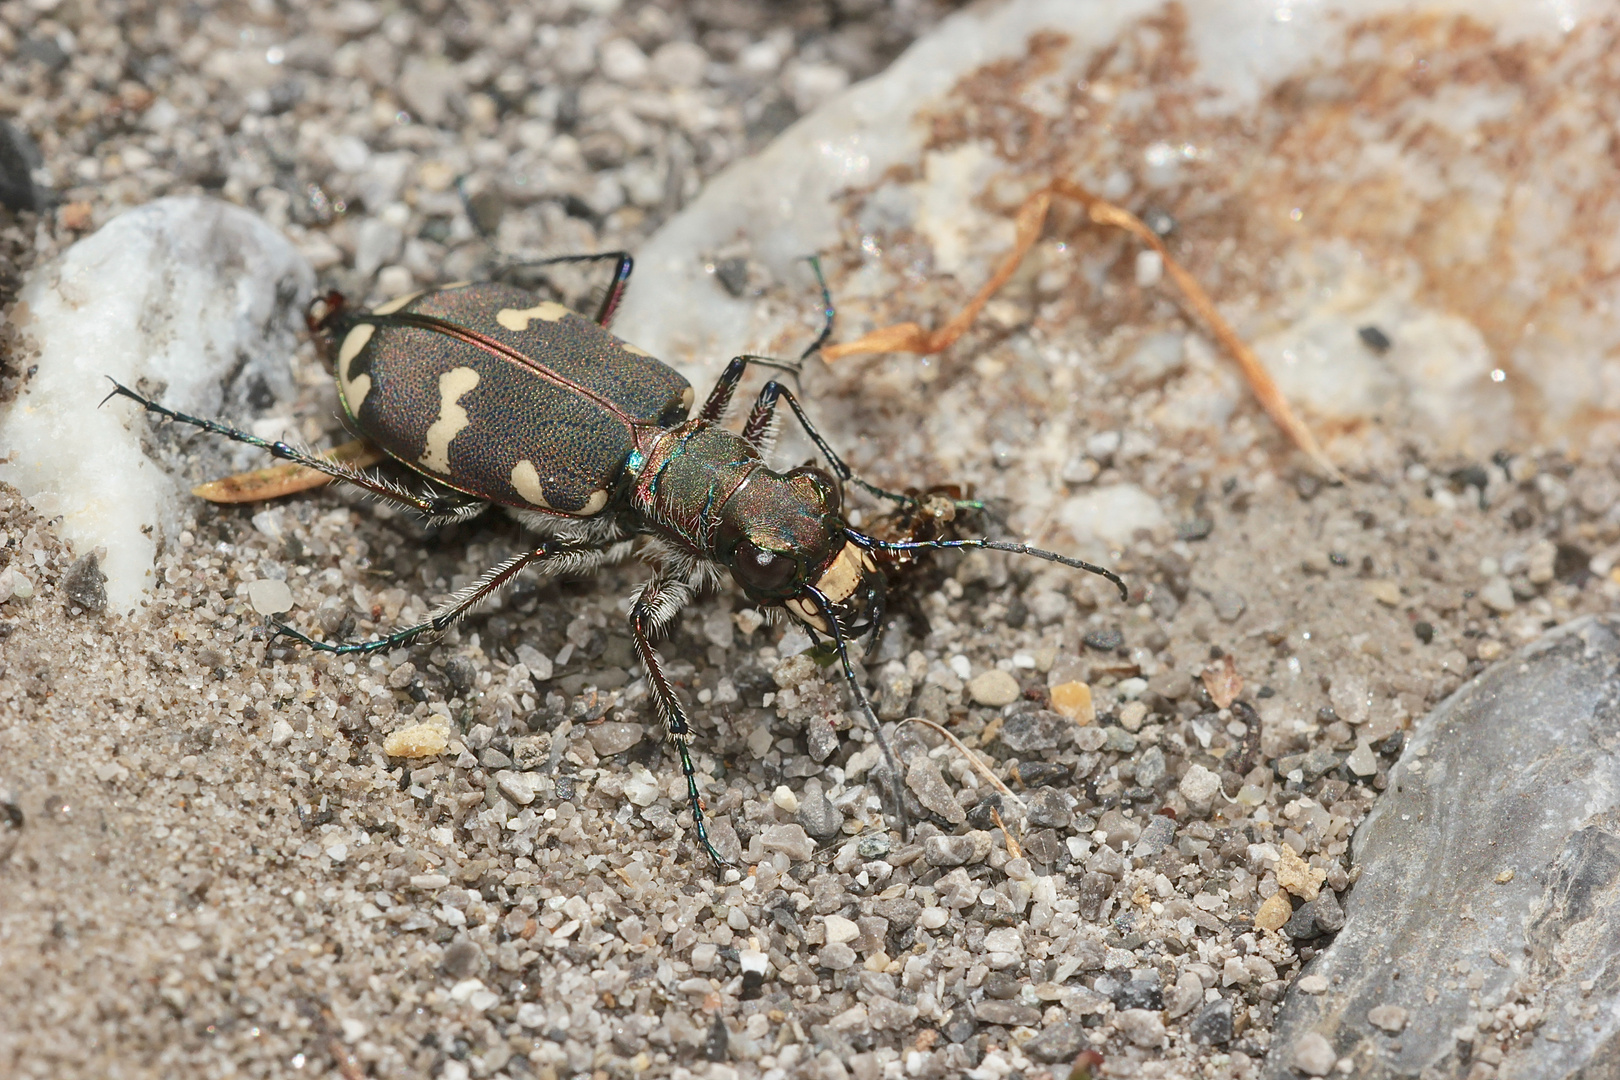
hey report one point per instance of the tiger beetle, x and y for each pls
(496, 396)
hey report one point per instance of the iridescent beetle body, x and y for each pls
(497, 396)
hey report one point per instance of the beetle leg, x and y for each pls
(552, 556)
(442, 508)
(720, 397)
(658, 602)
(621, 277)
(757, 434)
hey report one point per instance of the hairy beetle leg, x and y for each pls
(552, 556)
(435, 507)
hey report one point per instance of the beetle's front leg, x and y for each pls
(660, 601)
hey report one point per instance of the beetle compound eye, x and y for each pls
(762, 571)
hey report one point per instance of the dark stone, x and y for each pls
(1313, 765)
(19, 157)
(1040, 773)
(1503, 806)
(1106, 639)
(718, 1041)
(959, 1025)
(817, 815)
(1301, 925)
(462, 960)
(1198, 528)
(1091, 891)
(733, 275)
(1001, 986)
(1374, 338)
(85, 584)
(1424, 631)
(1151, 768)
(1138, 994)
(1040, 729)
(1048, 809)
(1213, 1024)
(1329, 914)
(461, 673)
(1159, 834)
(1044, 847)
(1059, 1043)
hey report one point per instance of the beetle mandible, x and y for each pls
(496, 396)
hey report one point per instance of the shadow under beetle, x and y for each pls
(497, 396)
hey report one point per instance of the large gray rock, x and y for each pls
(1488, 906)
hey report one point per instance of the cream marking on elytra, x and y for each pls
(353, 342)
(594, 504)
(807, 611)
(396, 303)
(453, 386)
(840, 580)
(687, 397)
(631, 349)
(517, 320)
(526, 482)
(355, 391)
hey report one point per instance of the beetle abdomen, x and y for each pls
(507, 396)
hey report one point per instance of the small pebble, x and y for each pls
(428, 739)
(947, 850)
(791, 840)
(1073, 700)
(642, 787)
(1199, 787)
(1385, 592)
(1274, 913)
(926, 782)
(1362, 761)
(1297, 876)
(1228, 605)
(614, 737)
(840, 930)
(1313, 984)
(1143, 1027)
(1498, 595)
(1106, 639)
(994, 688)
(1390, 1018)
(1313, 1055)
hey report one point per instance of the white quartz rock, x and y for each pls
(198, 298)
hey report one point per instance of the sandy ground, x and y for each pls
(209, 866)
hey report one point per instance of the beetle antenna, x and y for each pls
(827, 308)
(895, 783)
(871, 542)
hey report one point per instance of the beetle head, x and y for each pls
(793, 550)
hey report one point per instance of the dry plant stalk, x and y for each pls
(285, 479)
(973, 759)
(909, 337)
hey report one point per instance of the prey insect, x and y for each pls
(493, 395)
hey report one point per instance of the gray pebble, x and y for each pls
(1106, 639)
(790, 840)
(1151, 767)
(1159, 834)
(462, 960)
(821, 738)
(1213, 1024)
(947, 850)
(874, 845)
(1228, 605)
(614, 736)
(1002, 986)
(1092, 891)
(836, 957)
(893, 692)
(928, 784)
(1119, 741)
(1061, 1042)
(1048, 809)
(1313, 1055)
(492, 758)
(818, 816)
(1007, 1013)
(1041, 729)
(86, 585)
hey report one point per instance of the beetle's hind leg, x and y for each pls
(552, 557)
(439, 508)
